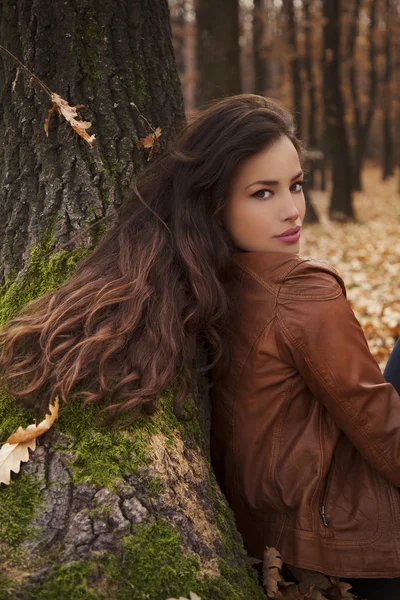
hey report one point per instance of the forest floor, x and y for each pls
(367, 256)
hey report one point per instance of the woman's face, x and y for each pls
(266, 207)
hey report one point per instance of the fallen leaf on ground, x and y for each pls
(16, 448)
(367, 255)
(272, 570)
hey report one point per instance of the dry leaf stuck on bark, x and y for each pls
(69, 113)
(16, 448)
(150, 141)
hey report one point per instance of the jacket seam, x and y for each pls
(343, 404)
(262, 281)
(277, 291)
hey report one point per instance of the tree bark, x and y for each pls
(122, 512)
(100, 55)
(218, 55)
(341, 207)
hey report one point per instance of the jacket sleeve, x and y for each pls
(319, 334)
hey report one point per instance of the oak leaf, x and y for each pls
(150, 141)
(69, 113)
(15, 450)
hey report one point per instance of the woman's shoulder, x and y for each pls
(292, 275)
(312, 279)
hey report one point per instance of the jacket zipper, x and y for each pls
(322, 512)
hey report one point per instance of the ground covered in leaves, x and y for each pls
(367, 256)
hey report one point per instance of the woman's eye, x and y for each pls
(262, 194)
(297, 187)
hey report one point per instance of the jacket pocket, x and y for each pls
(324, 496)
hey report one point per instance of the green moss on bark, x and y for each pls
(152, 567)
(45, 271)
(19, 503)
(105, 454)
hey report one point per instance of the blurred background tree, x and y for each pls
(335, 63)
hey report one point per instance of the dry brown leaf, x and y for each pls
(340, 589)
(272, 570)
(15, 450)
(150, 141)
(70, 114)
(319, 580)
(294, 591)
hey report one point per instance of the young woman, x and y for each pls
(305, 431)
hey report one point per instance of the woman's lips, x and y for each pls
(290, 236)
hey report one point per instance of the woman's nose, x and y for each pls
(290, 212)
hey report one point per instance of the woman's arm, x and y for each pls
(319, 333)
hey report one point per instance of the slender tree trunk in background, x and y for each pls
(362, 125)
(341, 206)
(262, 70)
(218, 55)
(388, 150)
(312, 139)
(98, 512)
(295, 64)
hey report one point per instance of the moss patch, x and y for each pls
(12, 415)
(146, 571)
(45, 272)
(105, 454)
(87, 42)
(72, 581)
(19, 502)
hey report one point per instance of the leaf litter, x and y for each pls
(367, 256)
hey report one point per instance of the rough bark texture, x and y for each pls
(218, 56)
(336, 135)
(104, 55)
(128, 512)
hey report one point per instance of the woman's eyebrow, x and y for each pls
(264, 182)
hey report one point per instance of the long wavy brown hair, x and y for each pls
(130, 318)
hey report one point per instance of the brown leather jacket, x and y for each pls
(305, 432)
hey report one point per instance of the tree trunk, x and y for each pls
(388, 149)
(218, 56)
(295, 63)
(362, 124)
(341, 207)
(312, 138)
(100, 55)
(261, 49)
(128, 512)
